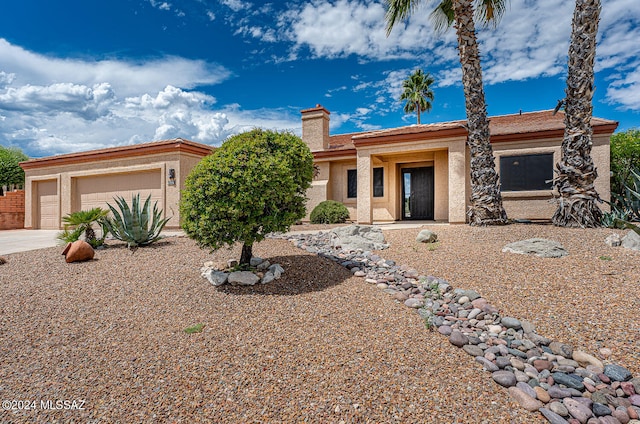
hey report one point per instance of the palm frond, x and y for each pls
(398, 10)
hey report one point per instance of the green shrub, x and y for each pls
(10, 170)
(134, 225)
(252, 185)
(329, 212)
(625, 156)
(77, 223)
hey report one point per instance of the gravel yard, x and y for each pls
(318, 345)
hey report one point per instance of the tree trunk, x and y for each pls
(418, 110)
(575, 173)
(486, 200)
(247, 253)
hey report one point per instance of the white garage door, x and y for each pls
(47, 205)
(97, 191)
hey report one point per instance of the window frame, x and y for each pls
(353, 180)
(380, 186)
(517, 181)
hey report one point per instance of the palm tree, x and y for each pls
(82, 222)
(417, 92)
(575, 173)
(486, 200)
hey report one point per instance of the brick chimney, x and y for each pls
(315, 128)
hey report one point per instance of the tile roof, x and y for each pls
(141, 149)
(528, 125)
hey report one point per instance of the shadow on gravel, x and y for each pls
(302, 274)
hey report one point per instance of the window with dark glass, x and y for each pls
(378, 182)
(352, 183)
(526, 172)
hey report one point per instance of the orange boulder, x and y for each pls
(78, 251)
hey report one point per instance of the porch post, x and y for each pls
(365, 214)
(457, 182)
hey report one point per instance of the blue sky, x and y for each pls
(81, 74)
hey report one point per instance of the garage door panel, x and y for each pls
(47, 205)
(97, 191)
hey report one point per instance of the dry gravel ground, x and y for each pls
(315, 346)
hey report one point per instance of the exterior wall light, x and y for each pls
(172, 177)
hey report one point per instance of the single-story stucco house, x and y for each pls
(422, 171)
(58, 185)
(413, 172)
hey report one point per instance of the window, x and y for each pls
(378, 182)
(352, 183)
(526, 172)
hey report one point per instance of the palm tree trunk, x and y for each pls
(418, 110)
(486, 200)
(576, 173)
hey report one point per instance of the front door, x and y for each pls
(417, 193)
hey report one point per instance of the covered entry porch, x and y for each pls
(411, 181)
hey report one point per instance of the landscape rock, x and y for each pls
(504, 378)
(631, 240)
(217, 278)
(363, 237)
(552, 417)
(511, 323)
(458, 339)
(277, 270)
(78, 251)
(426, 236)
(537, 246)
(255, 261)
(562, 349)
(577, 410)
(487, 364)
(617, 373)
(243, 278)
(414, 303)
(613, 240)
(585, 359)
(524, 400)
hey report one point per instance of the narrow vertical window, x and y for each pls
(378, 182)
(352, 183)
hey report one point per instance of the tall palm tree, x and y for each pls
(575, 173)
(417, 92)
(486, 200)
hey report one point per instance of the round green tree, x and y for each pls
(252, 185)
(10, 171)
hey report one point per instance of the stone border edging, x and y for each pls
(566, 386)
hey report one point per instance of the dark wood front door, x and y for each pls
(417, 193)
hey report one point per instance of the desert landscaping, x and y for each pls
(317, 345)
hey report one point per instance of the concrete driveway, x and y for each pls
(12, 241)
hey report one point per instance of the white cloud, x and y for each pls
(531, 41)
(357, 27)
(162, 5)
(51, 105)
(236, 5)
(211, 15)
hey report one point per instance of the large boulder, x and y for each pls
(631, 240)
(537, 246)
(354, 237)
(78, 251)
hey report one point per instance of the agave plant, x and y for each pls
(630, 199)
(135, 225)
(77, 223)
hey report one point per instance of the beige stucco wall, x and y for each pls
(539, 205)
(66, 174)
(393, 158)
